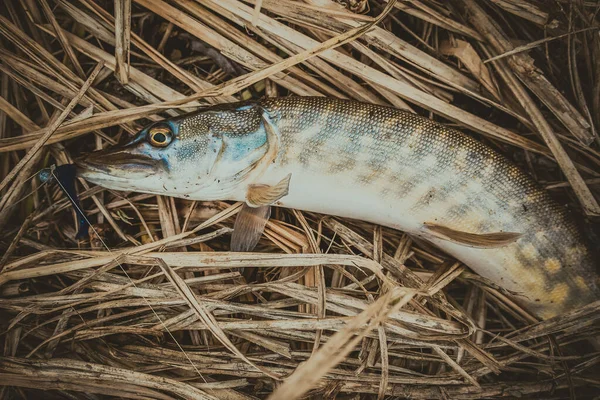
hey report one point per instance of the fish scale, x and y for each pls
(385, 166)
(419, 167)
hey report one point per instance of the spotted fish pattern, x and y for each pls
(372, 163)
(382, 159)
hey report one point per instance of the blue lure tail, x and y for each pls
(65, 175)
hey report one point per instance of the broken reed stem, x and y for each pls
(52, 128)
(235, 85)
(520, 67)
(340, 345)
(122, 39)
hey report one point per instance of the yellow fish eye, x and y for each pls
(160, 136)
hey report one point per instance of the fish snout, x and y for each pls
(114, 162)
(89, 163)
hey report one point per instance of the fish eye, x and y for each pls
(160, 136)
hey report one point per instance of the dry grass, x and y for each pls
(154, 305)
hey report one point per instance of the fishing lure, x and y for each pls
(65, 176)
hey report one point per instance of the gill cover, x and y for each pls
(242, 155)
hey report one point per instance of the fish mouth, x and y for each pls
(111, 162)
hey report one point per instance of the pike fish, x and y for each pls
(367, 162)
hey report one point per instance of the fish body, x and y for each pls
(372, 163)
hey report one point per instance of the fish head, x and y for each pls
(212, 154)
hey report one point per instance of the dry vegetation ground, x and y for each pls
(342, 308)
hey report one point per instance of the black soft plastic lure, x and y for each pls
(65, 175)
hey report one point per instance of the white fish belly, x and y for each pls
(341, 195)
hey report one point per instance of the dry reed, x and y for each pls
(155, 306)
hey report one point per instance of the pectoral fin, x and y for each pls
(251, 220)
(481, 240)
(261, 195)
(248, 227)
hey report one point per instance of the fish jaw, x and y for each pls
(117, 169)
